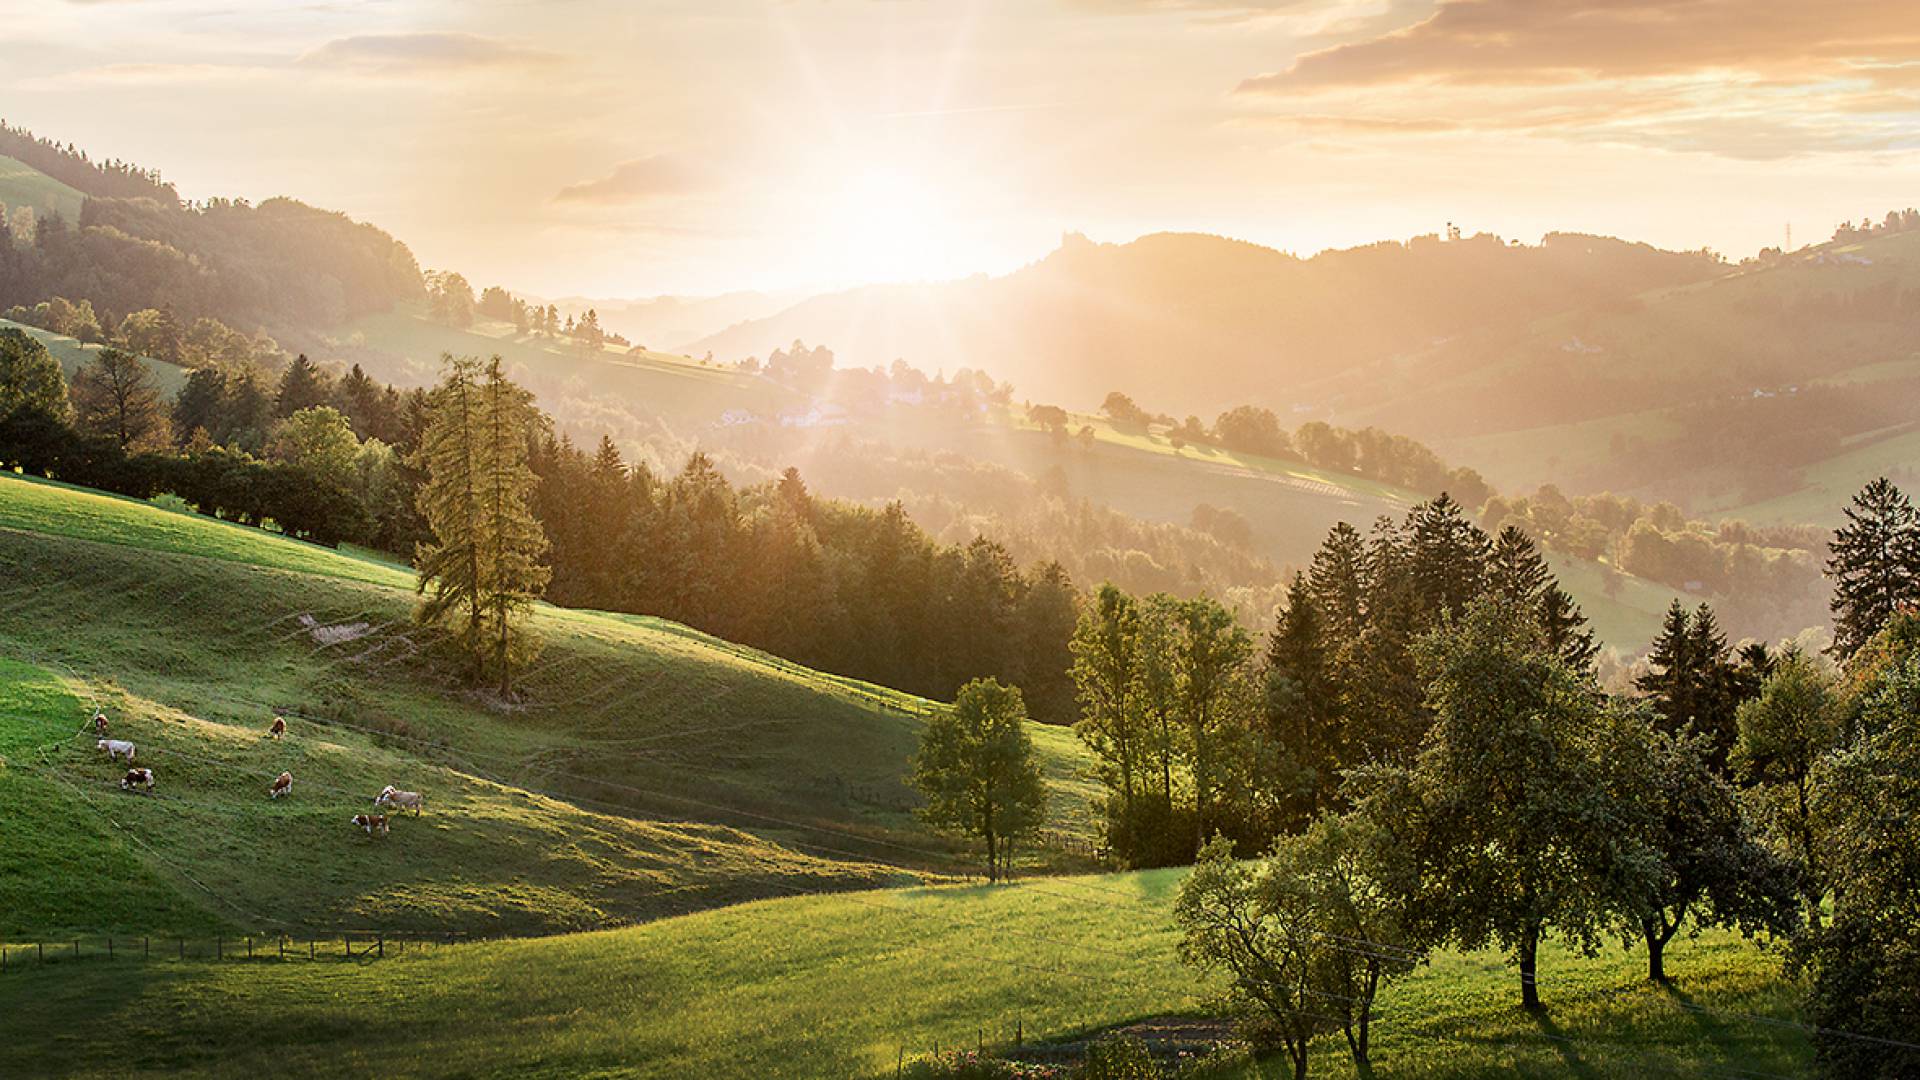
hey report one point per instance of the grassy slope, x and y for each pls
(188, 629)
(1291, 506)
(23, 185)
(409, 346)
(73, 353)
(838, 986)
(1692, 329)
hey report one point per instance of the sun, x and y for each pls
(889, 224)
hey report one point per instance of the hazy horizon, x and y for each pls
(692, 149)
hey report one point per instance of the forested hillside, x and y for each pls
(280, 266)
(1203, 323)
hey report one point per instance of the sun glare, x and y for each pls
(889, 225)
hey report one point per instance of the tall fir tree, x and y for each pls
(1337, 582)
(1875, 565)
(1447, 558)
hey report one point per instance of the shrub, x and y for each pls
(1119, 1057)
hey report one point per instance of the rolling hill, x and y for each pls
(74, 353)
(22, 185)
(1194, 323)
(855, 984)
(648, 770)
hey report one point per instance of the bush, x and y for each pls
(1119, 1057)
(973, 1065)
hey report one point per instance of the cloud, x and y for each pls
(432, 53)
(1753, 79)
(1533, 42)
(640, 180)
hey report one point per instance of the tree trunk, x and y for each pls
(1529, 968)
(1297, 1050)
(1656, 956)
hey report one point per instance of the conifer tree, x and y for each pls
(1447, 558)
(302, 386)
(1564, 630)
(1337, 583)
(1516, 574)
(1302, 705)
(1875, 565)
(513, 537)
(483, 570)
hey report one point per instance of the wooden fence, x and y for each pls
(347, 945)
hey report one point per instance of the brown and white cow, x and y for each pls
(116, 748)
(100, 724)
(137, 778)
(277, 728)
(393, 796)
(375, 824)
(282, 785)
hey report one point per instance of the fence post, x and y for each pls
(41, 948)
(109, 947)
(381, 944)
(219, 951)
(283, 946)
(249, 948)
(309, 948)
(183, 948)
(76, 948)
(146, 949)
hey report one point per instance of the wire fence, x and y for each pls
(359, 946)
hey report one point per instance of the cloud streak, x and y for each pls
(656, 176)
(424, 54)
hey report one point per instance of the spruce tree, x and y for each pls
(1302, 706)
(1516, 574)
(199, 405)
(1875, 565)
(1447, 558)
(1668, 681)
(1564, 630)
(1337, 584)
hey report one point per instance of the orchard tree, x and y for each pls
(1784, 734)
(1712, 868)
(317, 439)
(977, 770)
(29, 375)
(1514, 804)
(1865, 987)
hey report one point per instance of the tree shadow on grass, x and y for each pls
(1567, 1045)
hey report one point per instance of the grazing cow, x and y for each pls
(282, 785)
(100, 724)
(393, 796)
(116, 748)
(278, 728)
(137, 778)
(375, 824)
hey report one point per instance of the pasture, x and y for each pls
(848, 985)
(647, 769)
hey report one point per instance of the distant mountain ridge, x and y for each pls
(1199, 323)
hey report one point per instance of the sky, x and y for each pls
(623, 148)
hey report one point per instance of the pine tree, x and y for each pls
(199, 405)
(1875, 565)
(1302, 705)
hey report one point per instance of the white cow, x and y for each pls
(116, 748)
(393, 796)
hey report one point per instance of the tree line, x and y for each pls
(1512, 798)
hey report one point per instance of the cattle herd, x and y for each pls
(141, 778)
